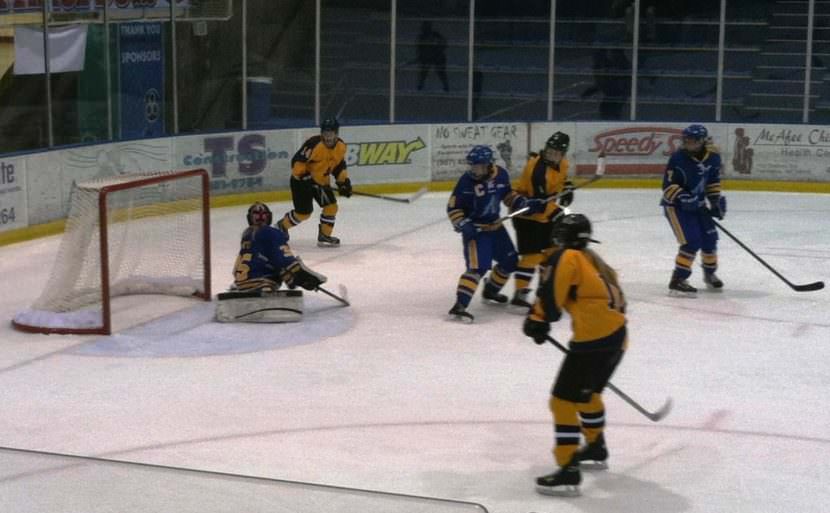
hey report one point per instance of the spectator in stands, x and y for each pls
(612, 78)
(431, 53)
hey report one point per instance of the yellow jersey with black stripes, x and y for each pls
(571, 282)
(316, 161)
(541, 180)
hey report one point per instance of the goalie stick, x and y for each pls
(655, 416)
(807, 287)
(600, 171)
(341, 298)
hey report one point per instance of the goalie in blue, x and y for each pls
(265, 261)
(263, 264)
(691, 179)
(474, 211)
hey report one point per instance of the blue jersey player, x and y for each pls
(474, 210)
(265, 261)
(691, 179)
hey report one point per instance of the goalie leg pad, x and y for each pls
(259, 306)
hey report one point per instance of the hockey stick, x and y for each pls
(341, 298)
(807, 287)
(410, 199)
(656, 416)
(600, 171)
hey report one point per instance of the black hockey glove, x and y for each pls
(537, 330)
(302, 276)
(567, 195)
(344, 188)
(717, 207)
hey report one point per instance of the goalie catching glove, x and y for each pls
(298, 275)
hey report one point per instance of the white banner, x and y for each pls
(67, 49)
(450, 144)
(778, 152)
(633, 148)
(13, 205)
(241, 161)
(384, 154)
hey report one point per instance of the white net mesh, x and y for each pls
(155, 245)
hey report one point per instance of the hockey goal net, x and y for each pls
(145, 233)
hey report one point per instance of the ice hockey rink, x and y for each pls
(389, 395)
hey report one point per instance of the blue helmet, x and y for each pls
(697, 132)
(480, 154)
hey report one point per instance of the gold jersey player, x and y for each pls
(318, 159)
(545, 176)
(577, 280)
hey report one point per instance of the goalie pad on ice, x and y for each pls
(259, 306)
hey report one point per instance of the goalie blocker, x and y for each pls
(260, 306)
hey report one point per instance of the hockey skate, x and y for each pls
(712, 282)
(562, 483)
(491, 294)
(593, 456)
(681, 288)
(279, 225)
(327, 241)
(520, 299)
(459, 313)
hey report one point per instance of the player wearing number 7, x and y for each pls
(577, 280)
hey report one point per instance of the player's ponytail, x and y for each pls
(606, 271)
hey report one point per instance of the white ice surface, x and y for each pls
(389, 395)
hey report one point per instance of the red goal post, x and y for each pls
(142, 233)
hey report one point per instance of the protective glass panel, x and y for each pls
(678, 60)
(592, 70)
(355, 53)
(764, 62)
(432, 61)
(510, 75)
(209, 74)
(281, 70)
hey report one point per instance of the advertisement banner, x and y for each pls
(451, 142)
(13, 204)
(141, 72)
(383, 154)
(241, 161)
(81, 6)
(778, 152)
(634, 148)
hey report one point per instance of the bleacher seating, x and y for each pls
(763, 68)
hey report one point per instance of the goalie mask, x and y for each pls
(573, 231)
(259, 214)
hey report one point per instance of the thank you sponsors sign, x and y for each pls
(141, 65)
